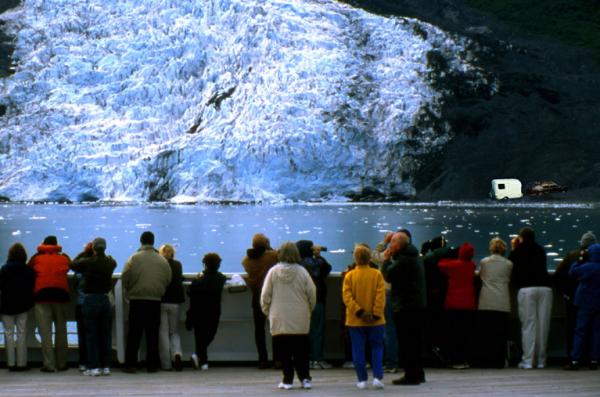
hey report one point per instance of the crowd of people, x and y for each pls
(399, 304)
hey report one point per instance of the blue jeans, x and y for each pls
(588, 320)
(390, 339)
(315, 335)
(97, 317)
(359, 337)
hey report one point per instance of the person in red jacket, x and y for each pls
(460, 304)
(51, 296)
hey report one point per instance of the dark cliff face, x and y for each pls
(542, 123)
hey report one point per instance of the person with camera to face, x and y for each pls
(319, 269)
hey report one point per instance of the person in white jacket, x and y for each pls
(288, 298)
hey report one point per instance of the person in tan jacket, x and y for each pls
(288, 298)
(363, 293)
(145, 279)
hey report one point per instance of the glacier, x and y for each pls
(218, 100)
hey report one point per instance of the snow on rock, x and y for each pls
(194, 100)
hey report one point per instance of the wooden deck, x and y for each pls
(248, 381)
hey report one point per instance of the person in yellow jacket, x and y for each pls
(363, 293)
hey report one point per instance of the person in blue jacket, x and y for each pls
(587, 300)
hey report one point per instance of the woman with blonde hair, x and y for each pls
(494, 305)
(288, 299)
(169, 342)
(363, 293)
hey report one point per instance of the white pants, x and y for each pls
(20, 345)
(169, 343)
(535, 310)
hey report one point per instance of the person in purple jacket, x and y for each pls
(587, 300)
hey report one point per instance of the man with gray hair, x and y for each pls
(403, 269)
(145, 279)
(566, 285)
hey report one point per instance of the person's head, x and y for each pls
(260, 241)
(588, 238)
(407, 232)
(167, 251)
(17, 253)
(305, 248)
(99, 245)
(497, 246)
(147, 238)
(288, 253)
(399, 241)
(466, 252)
(362, 255)
(527, 235)
(212, 262)
(50, 240)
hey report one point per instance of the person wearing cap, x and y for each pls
(257, 262)
(534, 298)
(567, 285)
(97, 273)
(145, 279)
(51, 296)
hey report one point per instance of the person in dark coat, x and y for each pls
(257, 262)
(587, 300)
(16, 290)
(566, 285)
(534, 298)
(319, 269)
(205, 307)
(404, 270)
(97, 273)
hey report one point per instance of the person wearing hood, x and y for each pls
(460, 304)
(567, 285)
(319, 269)
(205, 308)
(145, 279)
(257, 262)
(587, 300)
(51, 296)
(403, 269)
(288, 298)
(17, 281)
(534, 298)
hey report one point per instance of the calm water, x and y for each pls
(228, 229)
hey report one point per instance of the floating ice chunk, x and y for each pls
(552, 254)
(304, 232)
(37, 218)
(16, 233)
(338, 251)
(142, 226)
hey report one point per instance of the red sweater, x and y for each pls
(461, 278)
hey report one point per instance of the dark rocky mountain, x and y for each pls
(543, 123)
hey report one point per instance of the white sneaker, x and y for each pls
(348, 364)
(92, 372)
(106, 371)
(523, 365)
(362, 385)
(285, 386)
(540, 366)
(323, 365)
(195, 362)
(204, 367)
(82, 368)
(378, 384)
(306, 384)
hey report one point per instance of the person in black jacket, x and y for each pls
(97, 273)
(534, 298)
(205, 307)
(169, 342)
(319, 269)
(16, 288)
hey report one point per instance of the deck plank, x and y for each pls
(247, 381)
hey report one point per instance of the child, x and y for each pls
(205, 307)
